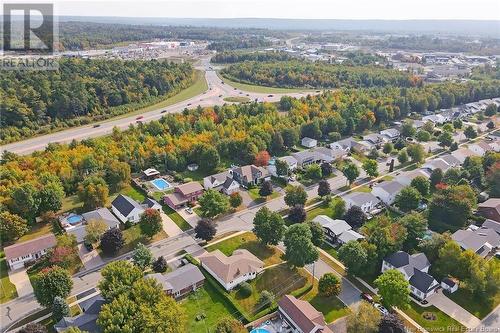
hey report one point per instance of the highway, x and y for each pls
(215, 95)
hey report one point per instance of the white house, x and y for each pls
(391, 134)
(449, 285)
(230, 186)
(309, 143)
(16, 255)
(434, 118)
(127, 209)
(405, 178)
(415, 268)
(366, 201)
(289, 160)
(480, 148)
(387, 191)
(216, 180)
(337, 231)
(437, 163)
(230, 271)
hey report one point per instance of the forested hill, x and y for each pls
(83, 90)
(293, 74)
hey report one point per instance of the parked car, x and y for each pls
(380, 308)
(269, 95)
(96, 125)
(367, 297)
(189, 104)
(88, 246)
(189, 210)
(140, 117)
(163, 111)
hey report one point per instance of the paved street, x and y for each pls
(490, 323)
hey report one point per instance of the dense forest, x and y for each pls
(87, 35)
(231, 57)
(82, 90)
(486, 46)
(233, 133)
(296, 73)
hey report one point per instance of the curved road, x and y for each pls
(215, 95)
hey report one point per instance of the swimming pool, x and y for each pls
(74, 219)
(160, 184)
(259, 330)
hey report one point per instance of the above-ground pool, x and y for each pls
(74, 219)
(160, 184)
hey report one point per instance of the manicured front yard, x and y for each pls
(248, 241)
(323, 209)
(329, 249)
(437, 321)
(254, 194)
(38, 230)
(478, 306)
(179, 220)
(279, 280)
(331, 307)
(7, 289)
(133, 236)
(207, 302)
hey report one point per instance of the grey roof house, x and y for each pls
(366, 201)
(102, 214)
(480, 240)
(126, 208)
(85, 321)
(180, 282)
(337, 231)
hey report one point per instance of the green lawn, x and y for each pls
(323, 209)
(179, 220)
(209, 302)
(478, 306)
(254, 194)
(38, 230)
(280, 280)
(363, 188)
(134, 193)
(248, 241)
(7, 289)
(261, 89)
(331, 307)
(330, 250)
(440, 321)
(237, 99)
(133, 236)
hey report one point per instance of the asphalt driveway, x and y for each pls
(453, 310)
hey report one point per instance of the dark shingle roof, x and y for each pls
(85, 321)
(421, 280)
(125, 204)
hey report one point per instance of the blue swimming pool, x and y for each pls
(74, 219)
(259, 330)
(160, 184)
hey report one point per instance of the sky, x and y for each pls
(300, 9)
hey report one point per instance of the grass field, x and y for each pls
(440, 323)
(7, 289)
(248, 241)
(39, 229)
(323, 209)
(133, 236)
(478, 306)
(237, 99)
(254, 194)
(179, 220)
(260, 89)
(206, 301)
(331, 307)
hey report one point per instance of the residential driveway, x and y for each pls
(192, 219)
(89, 259)
(20, 279)
(169, 226)
(453, 310)
(247, 200)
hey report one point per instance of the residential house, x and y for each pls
(308, 142)
(87, 321)
(451, 160)
(490, 224)
(417, 124)
(349, 235)
(337, 231)
(366, 201)
(349, 143)
(127, 209)
(289, 160)
(462, 153)
(480, 148)
(434, 118)
(405, 178)
(300, 316)
(490, 209)
(249, 175)
(415, 268)
(183, 194)
(180, 282)
(450, 285)
(215, 181)
(16, 255)
(437, 163)
(391, 134)
(308, 157)
(387, 191)
(149, 203)
(374, 139)
(230, 271)
(102, 214)
(481, 240)
(230, 186)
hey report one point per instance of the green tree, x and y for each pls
(370, 167)
(142, 257)
(160, 265)
(407, 129)
(265, 299)
(150, 222)
(436, 177)
(490, 110)
(282, 168)
(421, 184)
(269, 227)
(60, 309)
(423, 136)
(329, 285)
(408, 199)
(112, 241)
(324, 188)
(51, 197)
(118, 278)
(50, 283)
(290, 137)
(229, 325)
(94, 230)
(452, 206)
(445, 139)
(431, 246)
(470, 132)
(351, 172)
(338, 207)
(25, 201)
(300, 250)
(295, 195)
(326, 169)
(313, 171)
(318, 235)
(394, 289)
(117, 175)
(266, 189)
(205, 229)
(364, 320)
(416, 153)
(93, 192)
(416, 226)
(12, 226)
(213, 203)
(297, 214)
(354, 257)
(235, 200)
(493, 179)
(403, 156)
(388, 148)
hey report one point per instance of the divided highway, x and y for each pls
(215, 95)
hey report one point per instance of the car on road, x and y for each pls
(381, 309)
(163, 111)
(189, 210)
(221, 82)
(96, 125)
(248, 94)
(235, 88)
(269, 95)
(189, 104)
(367, 297)
(140, 117)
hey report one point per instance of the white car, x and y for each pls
(382, 310)
(189, 210)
